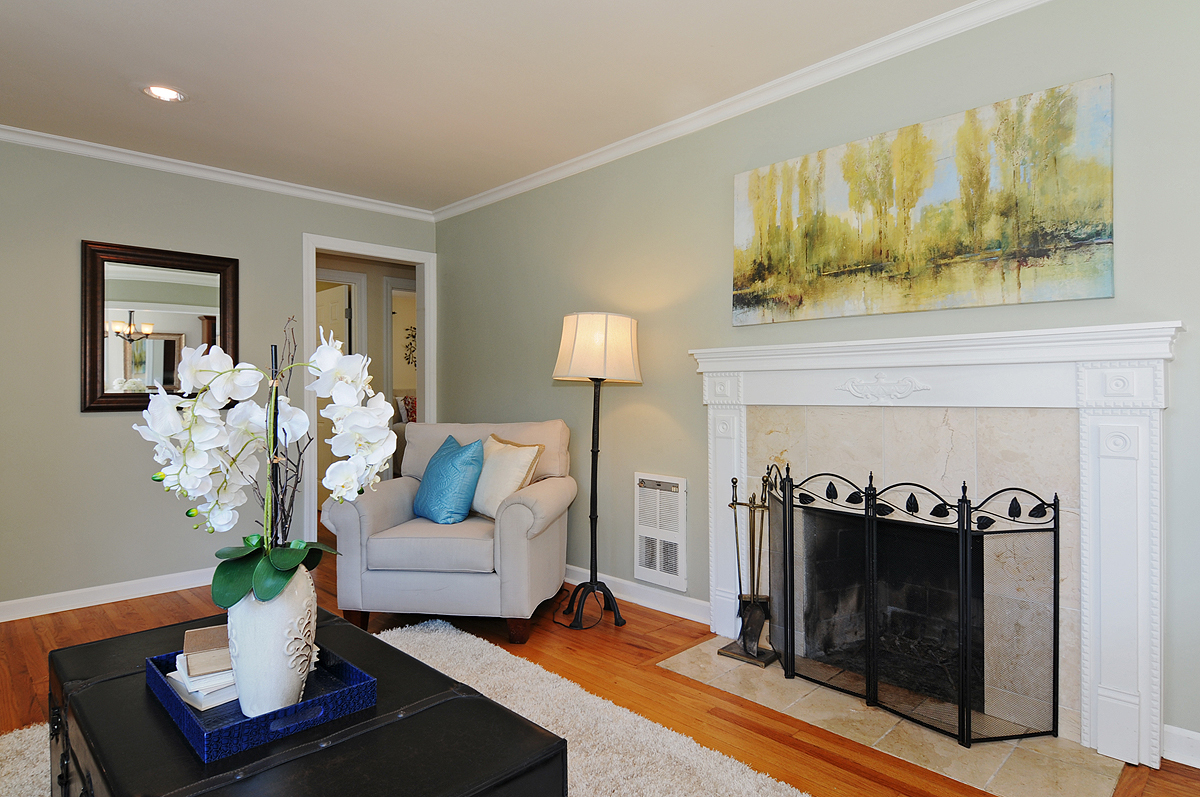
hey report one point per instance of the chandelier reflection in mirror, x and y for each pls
(129, 331)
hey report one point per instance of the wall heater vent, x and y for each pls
(660, 525)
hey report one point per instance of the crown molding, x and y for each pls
(71, 146)
(922, 34)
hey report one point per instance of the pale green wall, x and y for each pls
(651, 235)
(79, 508)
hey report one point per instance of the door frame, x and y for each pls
(426, 268)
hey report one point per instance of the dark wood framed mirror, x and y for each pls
(140, 308)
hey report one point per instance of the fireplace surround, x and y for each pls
(1115, 377)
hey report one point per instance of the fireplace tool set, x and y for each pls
(754, 608)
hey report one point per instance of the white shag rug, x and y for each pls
(610, 750)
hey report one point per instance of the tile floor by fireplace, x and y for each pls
(1038, 767)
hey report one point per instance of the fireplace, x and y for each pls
(881, 594)
(1106, 385)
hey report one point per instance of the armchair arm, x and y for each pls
(388, 505)
(531, 544)
(535, 507)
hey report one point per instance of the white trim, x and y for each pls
(358, 304)
(914, 37)
(1181, 745)
(648, 597)
(71, 146)
(426, 266)
(1115, 376)
(104, 593)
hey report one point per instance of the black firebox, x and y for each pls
(944, 612)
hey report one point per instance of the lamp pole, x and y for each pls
(594, 584)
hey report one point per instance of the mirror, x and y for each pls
(141, 307)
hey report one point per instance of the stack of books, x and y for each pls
(203, 674)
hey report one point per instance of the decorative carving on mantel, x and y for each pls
(881, 390)
(723, 389)
(1126, 384)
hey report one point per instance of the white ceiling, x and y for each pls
(419, 104)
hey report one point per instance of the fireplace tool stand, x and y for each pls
(753, 608)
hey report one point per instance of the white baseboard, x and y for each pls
(1181, 745)
(643, 595)
(105, 593)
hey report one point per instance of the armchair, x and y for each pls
(394, 561)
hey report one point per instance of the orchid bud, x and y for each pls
(159, 476)
(192, 512)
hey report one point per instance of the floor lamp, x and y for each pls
(597, 347)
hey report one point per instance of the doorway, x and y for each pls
(364, 276)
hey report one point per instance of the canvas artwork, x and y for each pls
(1004, 204)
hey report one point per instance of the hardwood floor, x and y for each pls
(615, 663)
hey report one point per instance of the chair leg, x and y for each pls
(518, 630)
(360, 619)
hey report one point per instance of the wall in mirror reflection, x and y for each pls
(184, 309)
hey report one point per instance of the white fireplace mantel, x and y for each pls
(1114, 375)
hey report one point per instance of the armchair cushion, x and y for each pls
(449, 482)
(507, 467)
(421, 544)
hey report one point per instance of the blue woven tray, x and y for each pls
(334, 689)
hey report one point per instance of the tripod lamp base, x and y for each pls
(581, 592)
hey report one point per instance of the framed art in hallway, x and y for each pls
(1008, 203)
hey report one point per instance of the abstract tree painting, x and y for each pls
(1004, 204)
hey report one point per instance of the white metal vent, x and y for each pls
(660, 523)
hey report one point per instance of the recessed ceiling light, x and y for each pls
(165, 93)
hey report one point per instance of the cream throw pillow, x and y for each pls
(507, 467)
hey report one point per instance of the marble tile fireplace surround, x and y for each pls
(1075, 411)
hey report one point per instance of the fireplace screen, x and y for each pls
(945, 613)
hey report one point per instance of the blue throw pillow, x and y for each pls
(448, 485)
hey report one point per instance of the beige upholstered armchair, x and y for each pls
(394, 561)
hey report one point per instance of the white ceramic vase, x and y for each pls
(271, 644)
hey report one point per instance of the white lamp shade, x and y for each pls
(599, 346)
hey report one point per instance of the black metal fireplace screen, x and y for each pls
(945, 613)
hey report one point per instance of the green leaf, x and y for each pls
(268, 580)
(236, 552)
(313, 559)
(233, 579)
(287, 558)
(320, 546)
(253, 541)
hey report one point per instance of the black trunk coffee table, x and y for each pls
(427, 735)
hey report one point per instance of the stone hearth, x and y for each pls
(1077, 411)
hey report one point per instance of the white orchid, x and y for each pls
(344, 378)
(342, 479)
(210, 454)
(293, 422)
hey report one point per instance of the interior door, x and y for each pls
(333, 302)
